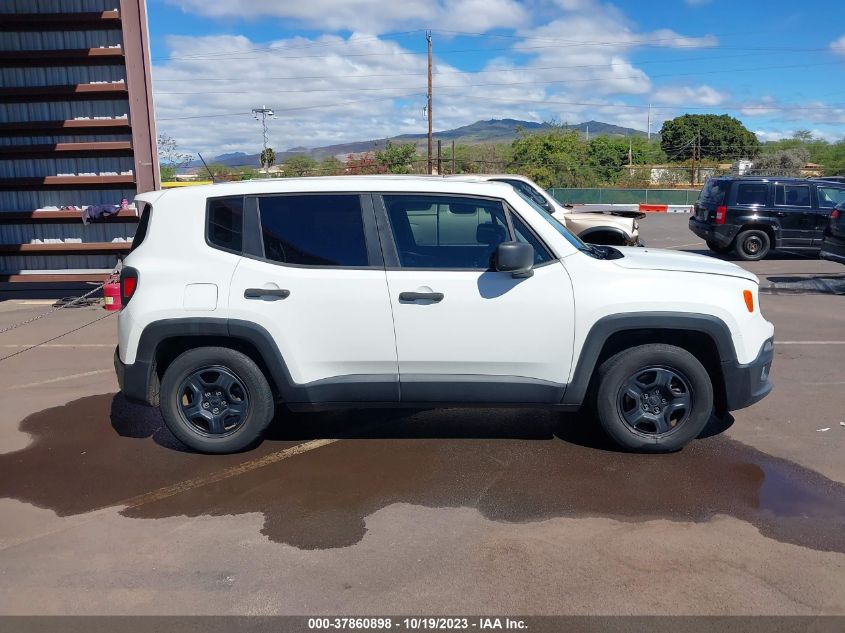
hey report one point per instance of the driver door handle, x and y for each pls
(421, 296)
(267, 294)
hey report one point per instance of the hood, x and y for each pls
(663, 259)
(583, 221)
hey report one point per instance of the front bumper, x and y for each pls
(833, 249)
(720, 234)
(747, 384)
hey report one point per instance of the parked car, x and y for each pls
(833, 242)
(607, 227)
(753, 215)
(351, 292)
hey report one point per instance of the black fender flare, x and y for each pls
(607, 326)
(140, 378)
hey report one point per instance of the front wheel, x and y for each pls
(216, 400)
(653, 398)
(752, 245)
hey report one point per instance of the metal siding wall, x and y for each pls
(49, 140)
(60, 76)
(56, 198)
(58, 40)
(64, 110)
(13, 264)
(95, 232)
(56, 6)
(133, 16)
(39, 167)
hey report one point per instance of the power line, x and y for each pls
(465, 72)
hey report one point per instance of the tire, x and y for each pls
(216, 400)
(752, 245)
(675, 425)
(718, 249)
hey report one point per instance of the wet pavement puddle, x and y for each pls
(513, 465)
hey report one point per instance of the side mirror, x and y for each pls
(516, 258)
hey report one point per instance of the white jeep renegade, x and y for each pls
(349, 292)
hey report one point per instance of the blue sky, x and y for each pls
(343, 70)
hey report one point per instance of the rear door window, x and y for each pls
(313, 230)
(792, 195)
(749, 193)
(715, 191)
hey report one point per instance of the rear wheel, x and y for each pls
(216, 400)
(752, 245)
(716, 248)
(653, 398)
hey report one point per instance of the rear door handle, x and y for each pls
(421, 296)
(267, 294)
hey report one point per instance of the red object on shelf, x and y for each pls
(111, 293)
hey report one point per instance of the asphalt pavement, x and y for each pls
(515, 511)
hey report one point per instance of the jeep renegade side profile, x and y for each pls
(348, 292)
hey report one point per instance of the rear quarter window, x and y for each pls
(715, 191)
(143, 227)
(224, 223)
(748, 193)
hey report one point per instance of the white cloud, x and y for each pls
(332, 89)
(688, 95)
(373, 16)
(838, 46)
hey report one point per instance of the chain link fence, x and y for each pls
(624, 196)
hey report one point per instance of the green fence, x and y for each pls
(624, 196)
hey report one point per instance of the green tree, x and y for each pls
(170, 159)
(397, 158)
(299, 165)
(331, 166)
(216, 171)
(785, 162)
(722, 137)
(558, 158)
(267, 158)
(608, 154)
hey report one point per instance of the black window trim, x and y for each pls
(208, 241)
(388, 242)
(252, 222)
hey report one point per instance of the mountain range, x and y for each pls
(492, 131)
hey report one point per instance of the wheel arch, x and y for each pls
(705, 336)
(619, 237)
(163, 341)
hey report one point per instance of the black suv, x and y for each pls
(752, 215)
(833, 242)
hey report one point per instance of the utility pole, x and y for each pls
(428, 108)
(439, 157)
(588, 132)
(264, 112)
(453, 156)
(630, 153)
(648, 124)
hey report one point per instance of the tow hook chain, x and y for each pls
(52, 310)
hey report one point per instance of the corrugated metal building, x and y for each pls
(76, 129)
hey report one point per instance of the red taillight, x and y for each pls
(834, 215)
(128, 284)
(721, 214)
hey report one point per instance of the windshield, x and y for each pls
(558, 226)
